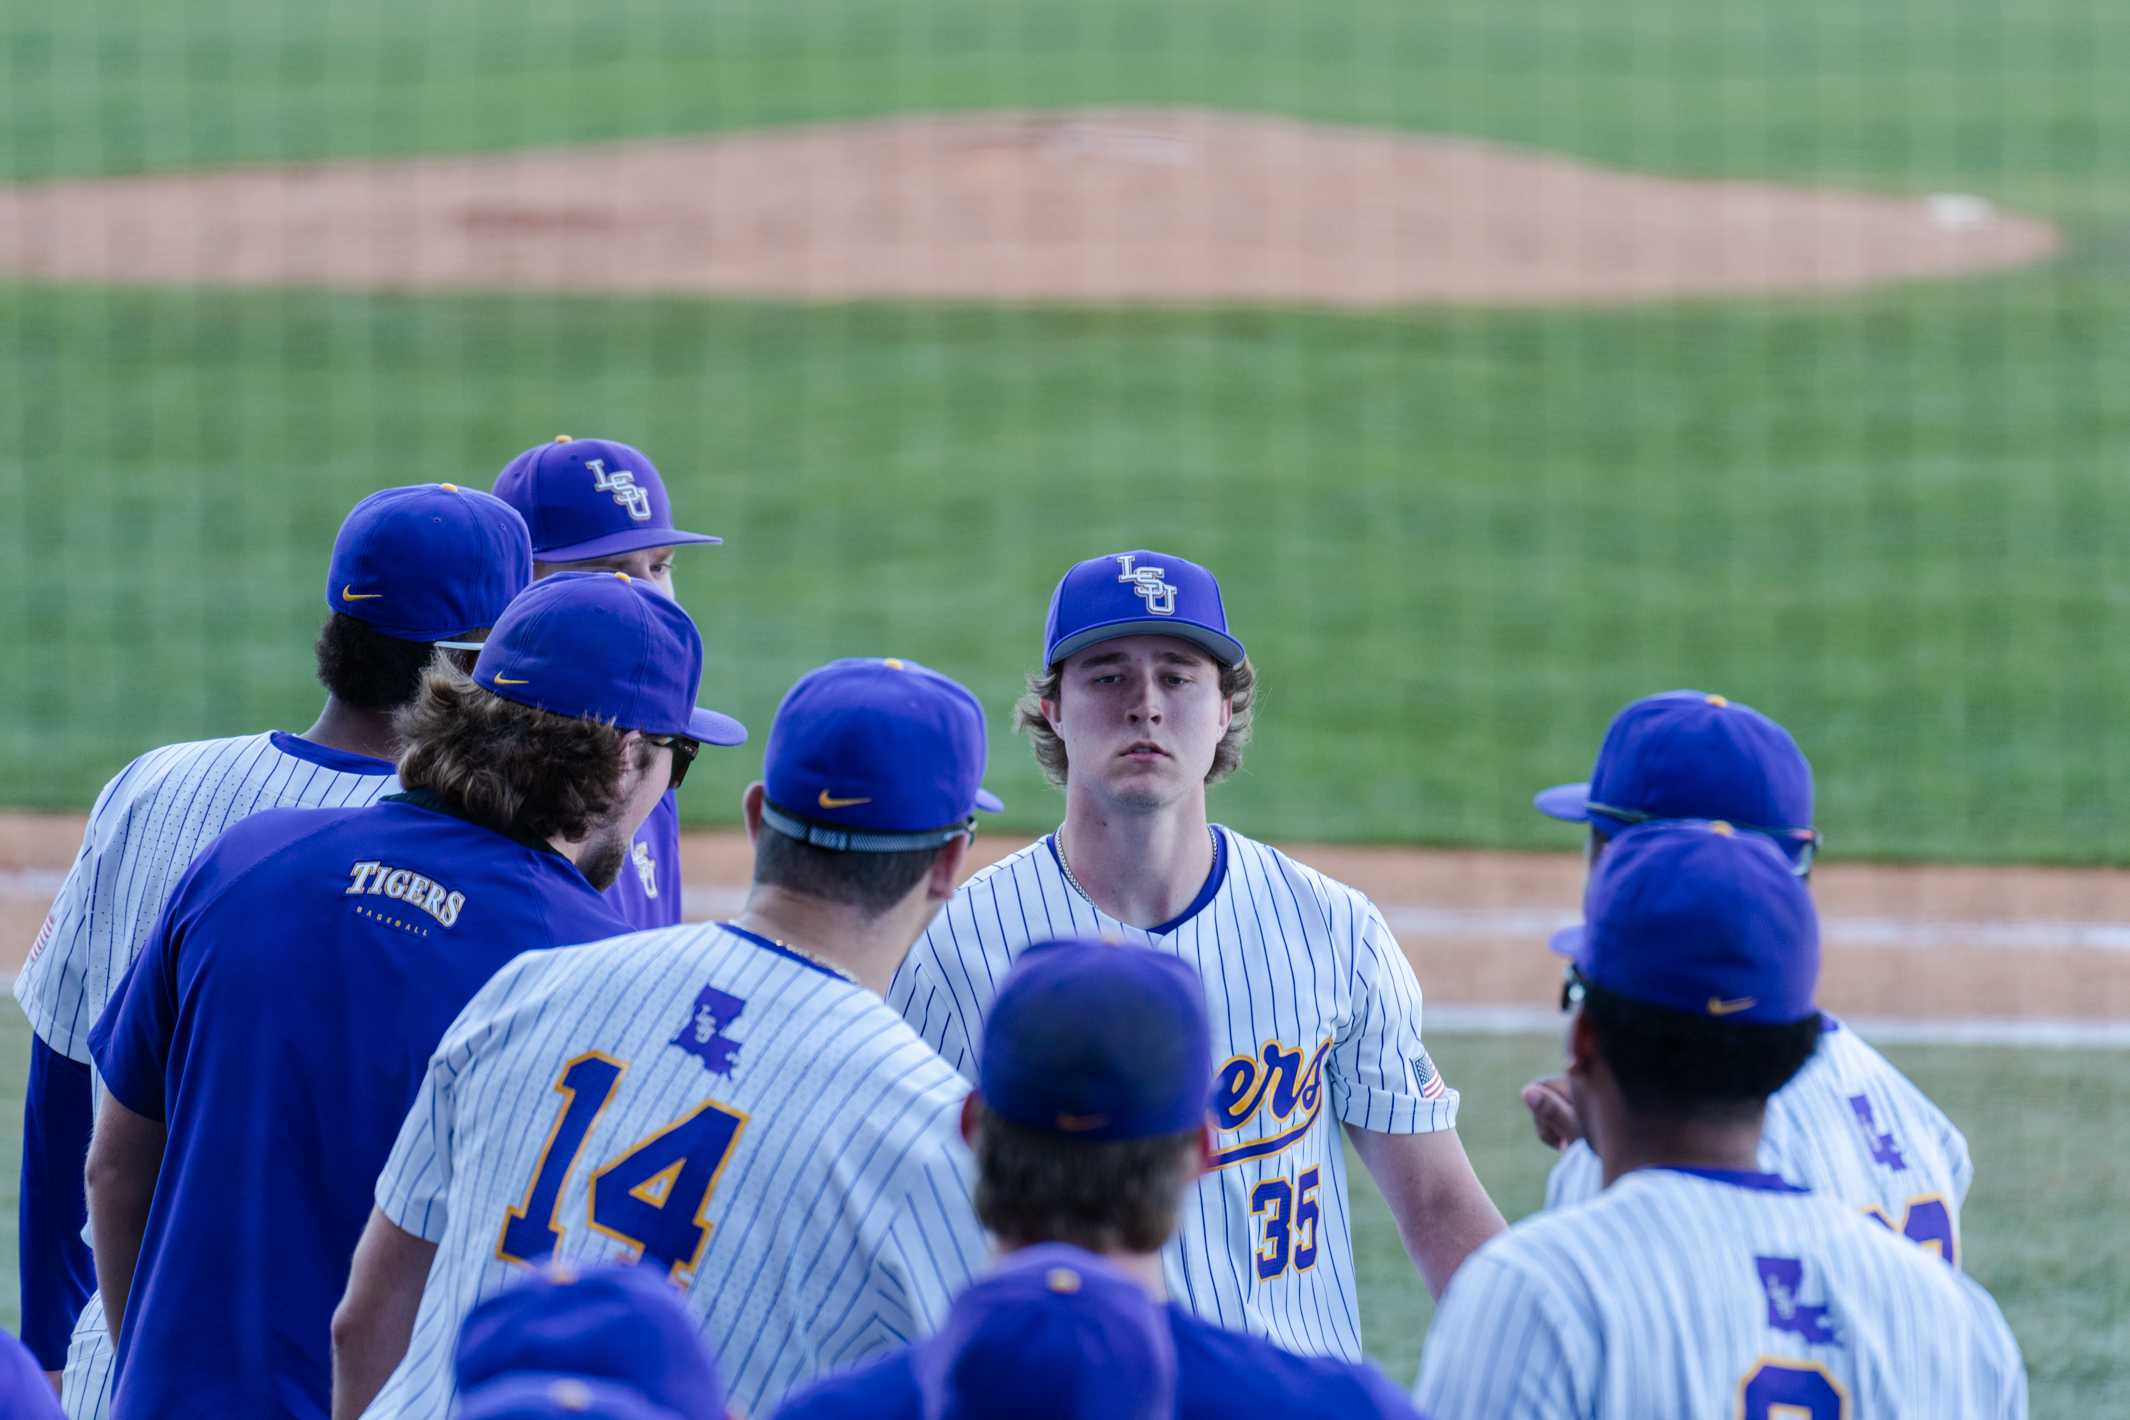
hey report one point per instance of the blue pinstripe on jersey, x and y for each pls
(1289, 959)
(146, 827)
(841, 1224)
(1814, 1137)
(1671, 1292)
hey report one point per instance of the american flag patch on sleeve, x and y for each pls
(1428, 1078)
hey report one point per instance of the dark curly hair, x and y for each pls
(1123, 1195)
(1679, 1066)
(508, 766)
(366, 669)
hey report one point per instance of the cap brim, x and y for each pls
(1225, 649)
(989, 802)
(714, 729)
(1569, 802)
(614, 544)
(1568, 941)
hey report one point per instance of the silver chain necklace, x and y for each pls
(1065, 863)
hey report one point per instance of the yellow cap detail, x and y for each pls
(1719, 701)
(571, 1395)
(449, 487)
(893, 663)
(1062, 1279)
(562, 438)
(1722, 829)
(562, 1274)
(622, 575)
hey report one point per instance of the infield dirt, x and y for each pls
(1139, 206)
(1920, 943)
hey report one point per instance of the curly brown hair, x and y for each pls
(507, 766)
(1033, 1186)
(1238, 686)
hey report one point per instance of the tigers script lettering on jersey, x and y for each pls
(1313, 1005)
(768, 1131)
(1850, 1127)
(1690, 1292)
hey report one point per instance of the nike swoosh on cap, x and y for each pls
(828, 803)
(506, 680)
(349, 594)
(1717, 1006)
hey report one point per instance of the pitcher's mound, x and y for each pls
(1104, 206)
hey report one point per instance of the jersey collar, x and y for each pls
(428, 799)
(1739, 1178)
(326, 757)
(1206, 892)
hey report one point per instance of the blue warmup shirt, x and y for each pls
(56, 1271)
(278, 1022)
(24, 1392)
(647, 894)
(1220, 1374)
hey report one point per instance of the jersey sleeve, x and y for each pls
(924, 993)
(56, 1273)
(131, 1041)
(1499, 1346)
(53, 985)
(1381, 1076)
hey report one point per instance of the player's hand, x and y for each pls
(1552, 1115)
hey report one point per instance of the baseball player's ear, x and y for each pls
(751, 810)
(968, 1119)
(946, 869)
(1582, 1045)
(1206, 1148)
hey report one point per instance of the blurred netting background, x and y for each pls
(1888, 506)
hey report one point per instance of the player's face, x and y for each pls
(608, 849)
(650, 564)
(1140, 717)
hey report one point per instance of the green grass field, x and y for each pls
(1455, 542)
(2048, 1189)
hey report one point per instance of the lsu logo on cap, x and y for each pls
(622, 485)
(1147, 585)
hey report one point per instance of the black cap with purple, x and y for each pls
(1702, 919)
(587, 498)
(1097, 1040)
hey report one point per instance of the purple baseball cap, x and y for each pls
(603, 646)
(1053, 1334)
(429, 561)
(622, 1327)
(1700, 918)
(586, 498)
(536, 1396)
(876, 756)
(1688, 754)
(24, 1392)
(1137, 594)
(1097, 1040)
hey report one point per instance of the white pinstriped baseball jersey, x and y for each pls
(1849, 1127)
(1312, 1002)
(769, 1129)
(148, 824)
(1682, 1293)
